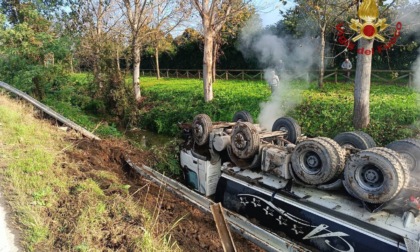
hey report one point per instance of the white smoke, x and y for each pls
(294, 57)
(408, 16)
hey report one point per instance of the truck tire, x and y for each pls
(242, 116)
(375, 175)
(314, 161)
(355, 139)
(340, 154)
(409, 150)
(244, 140)
(403, 163)
(202, 126)
(289, 125)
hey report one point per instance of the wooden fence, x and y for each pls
(402, 77)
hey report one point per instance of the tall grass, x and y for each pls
(61, 206)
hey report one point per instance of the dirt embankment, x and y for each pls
(194, 230)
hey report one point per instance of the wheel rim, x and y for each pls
(312, 163)
(198, 130)
(370, 177)
(240, 141)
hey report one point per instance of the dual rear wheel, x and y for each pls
(374, 174)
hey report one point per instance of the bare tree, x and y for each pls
(325, 14)
(230, 30)
(213, 19)
(95, 19)
(139, 17)
(167, 15)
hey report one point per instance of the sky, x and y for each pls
(268, 10)
(271, 14)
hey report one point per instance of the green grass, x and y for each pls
(58, 204)
(320, 112)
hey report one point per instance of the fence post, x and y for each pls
(261, 75)
(227, 75)
(243, 74)
(176, 72)
(199, 74)
(335, 75)
(167, 73)
(188, 75)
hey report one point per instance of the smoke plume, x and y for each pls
(408, 16)
(287, 57)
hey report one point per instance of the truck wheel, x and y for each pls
(355, 139)
(244, 140)
(409, 150)
(403, 163)
(314, 161)
(340, 153)
(202, 126)
(289, 125)
(242, 116)
(375, 175)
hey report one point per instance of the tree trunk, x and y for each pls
(361, 117)
(208, 66)
(97, 49)
(215, 49)
(157, 63)
(118, 60)
(136, 70)
(322, 58)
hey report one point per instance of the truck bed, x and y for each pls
(317, 218)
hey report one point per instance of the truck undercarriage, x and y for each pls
(341, 194)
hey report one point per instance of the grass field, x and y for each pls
(320, 112)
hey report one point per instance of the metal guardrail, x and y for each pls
(263, 238)
(49, 111)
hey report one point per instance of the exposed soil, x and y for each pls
(195, 232)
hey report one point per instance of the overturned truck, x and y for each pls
(341, 194)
